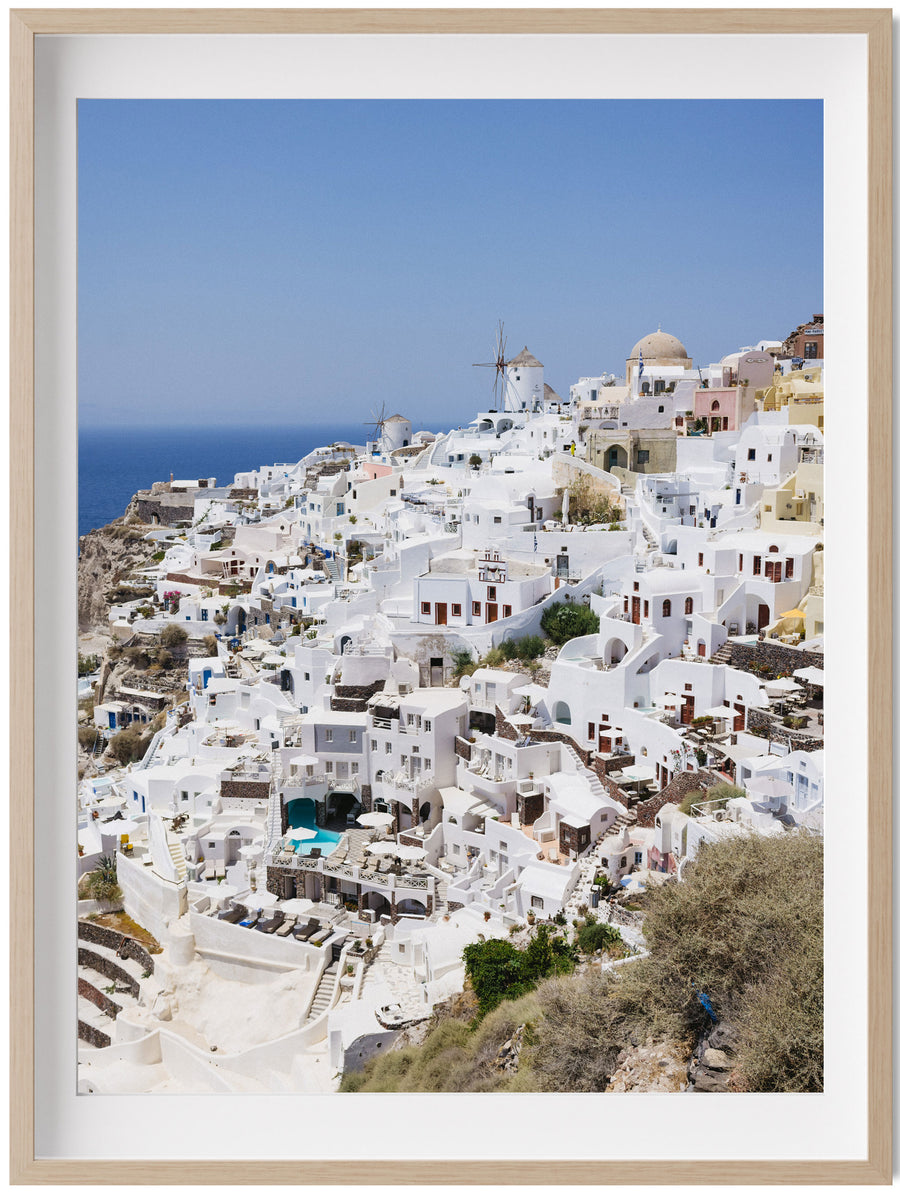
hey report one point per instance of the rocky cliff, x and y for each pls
(107, 558)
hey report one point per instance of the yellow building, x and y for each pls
(802, 392)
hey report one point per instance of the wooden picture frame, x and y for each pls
(29, 24)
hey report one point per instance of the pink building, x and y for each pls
(725, 409)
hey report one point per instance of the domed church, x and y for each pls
(660, 349)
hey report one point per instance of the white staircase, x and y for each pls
(176, 852)
(324, 993)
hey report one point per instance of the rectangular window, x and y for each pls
(740, 562)
(329, 734)
(204, 614)
(537, 903)
(427, 763)
(507, 610)
(497, 521)
(476, 608)
(811, 350)
(354, 767)
(700, 559)
(757, 564)
(751, 453)
(455, 610)
(789, 569)
(427, 726)
(492, 594)
(590, 730)
(329, 767)
(646, 608)
(353, 736)
(388, 747)
(426, 608)
(373, 744)
(768, 459)
(643, 457)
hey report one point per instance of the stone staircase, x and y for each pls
(333, 567)
(590, 861)
(324, 992)
(722, 656)
(652, 542)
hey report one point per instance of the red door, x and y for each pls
(605, 745)
(762, 617)
(739, 718)
(491, 613)
(636, 610)
(441, 614)
(687, 709)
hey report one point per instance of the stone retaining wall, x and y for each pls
(244, 788)
(780, 658)
(90, 1034)
(91, 994)
(123, 945)
(102, 964)
(681, 784)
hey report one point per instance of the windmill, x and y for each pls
(498, 364)
(377, 423)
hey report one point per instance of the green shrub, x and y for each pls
(128, 745)
(463, 663)
(173, 635)
(597, 937)
(562, 622)
(499, 971)
(102, 883)
(88, 736)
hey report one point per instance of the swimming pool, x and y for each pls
(302, 814)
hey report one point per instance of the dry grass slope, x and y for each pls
(744, 929)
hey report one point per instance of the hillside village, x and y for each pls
(343, 717)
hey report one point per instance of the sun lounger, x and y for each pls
(220, 870)
(268, 926)
(234, 915)
(285, 928)
(321, 936)
(308, 929)
(315, 852)
(250, 919)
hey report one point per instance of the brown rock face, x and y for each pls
(654, 1067)
(107, 557)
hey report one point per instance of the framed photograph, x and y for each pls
(455, 729)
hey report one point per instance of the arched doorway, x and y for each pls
(614, 457)
(562, 713)
(345, 642)
(341, 810)
(425, 813)
(411, 906)
(614, 651)
(301, 813)
(371, 900)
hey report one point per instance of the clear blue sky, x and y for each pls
(308, 260)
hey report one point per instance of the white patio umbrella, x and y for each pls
(375, 819)
(767, 786)
(296, 906)
(299, 834)
(409, 852)
(382, 847)
(812, 674)
(781, 686)
(251, 852)
(257, 900)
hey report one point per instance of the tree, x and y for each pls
(562, 622)
(475, 461)
(589, 504)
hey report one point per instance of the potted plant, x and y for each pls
(530, 917)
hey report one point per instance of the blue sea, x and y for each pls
(114, 462)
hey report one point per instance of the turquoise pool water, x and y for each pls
(302, 814)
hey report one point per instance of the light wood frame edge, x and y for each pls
(24, 25)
